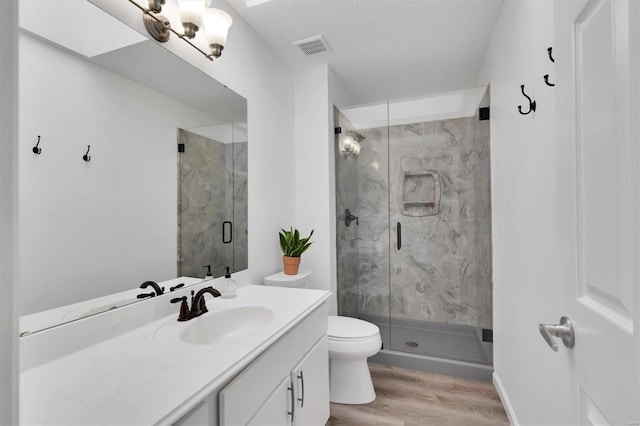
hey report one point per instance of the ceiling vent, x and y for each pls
(315, 45)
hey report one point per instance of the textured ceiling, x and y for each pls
(383, 49)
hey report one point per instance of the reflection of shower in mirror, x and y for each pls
(349, 142)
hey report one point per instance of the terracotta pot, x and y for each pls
(291, 265)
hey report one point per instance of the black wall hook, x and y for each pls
(86, 157)
(35, 149)
(532, 104)
(546, 80)
(546, 76)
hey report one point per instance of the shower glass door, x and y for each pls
(440, 251)
(362, 203)
(212, 199)
(417, 260)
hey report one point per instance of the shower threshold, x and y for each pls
(450, 349)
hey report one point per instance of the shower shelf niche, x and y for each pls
(420, 190)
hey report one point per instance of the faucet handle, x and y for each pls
(176, 287)
(145, 295)
(184, 308)
(159, 290)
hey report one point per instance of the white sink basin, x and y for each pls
(217, 325)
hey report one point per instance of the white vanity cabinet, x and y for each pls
(311, 386)
(254, 376)
(200, 415)
(287, 385)
(275, 410)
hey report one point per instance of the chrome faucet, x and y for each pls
(198, 305)
(157, 289)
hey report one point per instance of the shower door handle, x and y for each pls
(399, 235)
(227, 225)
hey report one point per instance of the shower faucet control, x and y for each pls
(349, 217)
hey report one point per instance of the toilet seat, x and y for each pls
(351, 329)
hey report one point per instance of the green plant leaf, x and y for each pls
(291, 244)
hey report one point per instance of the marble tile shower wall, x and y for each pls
(373, 231)
(240, 207)
(205, 201)
(347, 237)
(482, 211)
(442, 272)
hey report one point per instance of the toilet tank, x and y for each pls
(299, 280)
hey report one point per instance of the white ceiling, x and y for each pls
(383, 49)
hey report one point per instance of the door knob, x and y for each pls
(564, 330)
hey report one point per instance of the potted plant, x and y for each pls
(292, 248)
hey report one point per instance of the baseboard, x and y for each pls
(513, 420)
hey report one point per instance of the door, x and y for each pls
(275, 410)
(311, 384)
(596, 52)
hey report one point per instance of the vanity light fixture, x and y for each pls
(194, 15)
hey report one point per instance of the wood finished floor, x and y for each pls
(416, 398)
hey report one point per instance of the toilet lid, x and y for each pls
(348, 328)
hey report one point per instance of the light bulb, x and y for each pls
(216, 26)
(191, 13)
(356, 150)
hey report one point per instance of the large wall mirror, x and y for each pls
(164, 191)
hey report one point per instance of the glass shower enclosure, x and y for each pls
(212, 199)
(414, 225)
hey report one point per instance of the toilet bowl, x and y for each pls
(351, 342)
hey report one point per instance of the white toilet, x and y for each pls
(351, 342)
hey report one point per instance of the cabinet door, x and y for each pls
(200, 415)
(311, 383)
(276, 411)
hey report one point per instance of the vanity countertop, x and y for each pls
(145, 375)
(54, 317)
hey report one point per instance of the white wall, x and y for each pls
(317, 90)
(523, 179)
(312, 180)
(8, 212)
(96, 228)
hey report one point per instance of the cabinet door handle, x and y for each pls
(399, 236)
(293, 403)
(301, 377)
